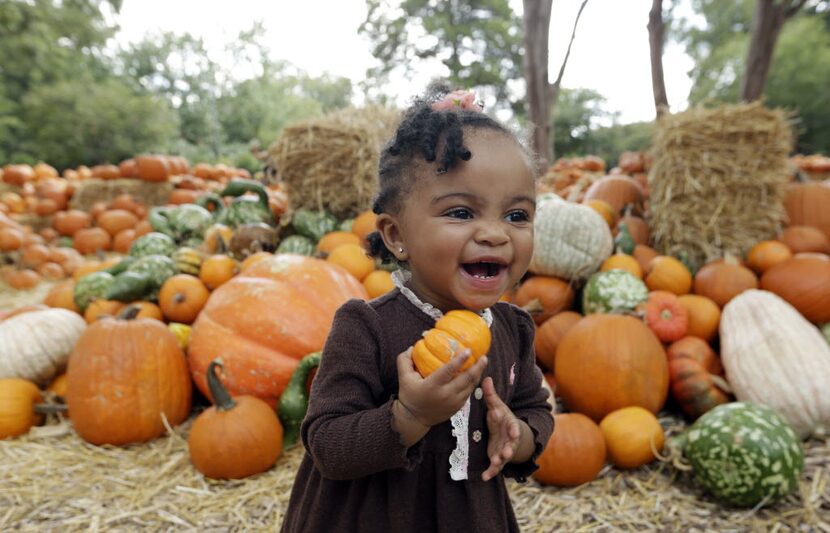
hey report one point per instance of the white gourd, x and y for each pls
(570, 240)
(36, 345)
(773, 356)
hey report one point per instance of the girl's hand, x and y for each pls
(505, 431)
(435, 399)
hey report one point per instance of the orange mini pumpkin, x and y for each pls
(457, 330)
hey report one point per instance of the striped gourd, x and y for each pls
(296, 244)
(775, 357)
(570, 240)
(187, 260)
(744, 454)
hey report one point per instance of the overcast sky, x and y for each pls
(610, 53)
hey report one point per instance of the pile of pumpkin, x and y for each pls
(191, 296)
(625, 332)
(620, 328)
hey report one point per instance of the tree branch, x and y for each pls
(554, 87)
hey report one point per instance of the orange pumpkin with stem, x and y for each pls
(633, 436)
(237, 437)
(17, 402)
(665, 316)
(263, 321)
(621, 261)
(575, 453)
(182, 297)
(123, 375)
(454, 332)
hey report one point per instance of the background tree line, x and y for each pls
(69, 98)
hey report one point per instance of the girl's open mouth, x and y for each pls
(483, 270)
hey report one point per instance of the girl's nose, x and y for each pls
(492, 234)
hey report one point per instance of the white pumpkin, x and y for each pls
(773, 356)
(36, 345)
(570, 241)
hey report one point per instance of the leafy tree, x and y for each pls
(44, 42)
(799, 74)
(93, 123)
(478, 42)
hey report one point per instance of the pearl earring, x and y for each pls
(400, 250)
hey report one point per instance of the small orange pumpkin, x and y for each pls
(665, 316)
(621, 261)
(633, 436)
(353, 258)
(575, 453)
(333, 239)
(457, 330)
(182, 297)
(704, 316)
(17, 407)
(665, 273)
(237, 437)
(217, 270)
(766, 254)
(364, 224)
(723, 280)
(378, 283)
(544, 296)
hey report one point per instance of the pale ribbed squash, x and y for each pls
(571, 240)
(36, 345)
(773, 356)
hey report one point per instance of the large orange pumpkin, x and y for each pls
(721, 281)
(606, 362)
(122, 376)
(263, 321)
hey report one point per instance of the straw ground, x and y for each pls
(51, 480)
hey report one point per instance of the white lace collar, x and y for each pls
(401, 276)
(460, 456)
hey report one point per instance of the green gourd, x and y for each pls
(624, 242)
(743, 453)
(293, 402)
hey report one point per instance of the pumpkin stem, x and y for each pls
(221, 398)
(50, 408)
(730, 258)
(721, 383)
(130, 312)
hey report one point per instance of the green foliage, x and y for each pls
(74, 122)
(478, 42)
(799, 74)
(581, 126)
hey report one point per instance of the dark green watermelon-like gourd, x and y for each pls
(743, 453)
(91, 287)
(296, 244)
(294, 399)
(153, 243)
(313, 224)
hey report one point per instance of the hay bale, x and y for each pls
(717, 181)
(332, 162)
(93, 190)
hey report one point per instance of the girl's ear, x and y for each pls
(389, 230)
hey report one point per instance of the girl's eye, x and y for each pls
(518, 216)
(459, 212)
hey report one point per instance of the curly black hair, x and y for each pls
(422, 132)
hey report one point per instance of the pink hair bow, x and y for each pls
(461, 99)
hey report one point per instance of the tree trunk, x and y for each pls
(767, 21)
(655, 44)
(536, 18)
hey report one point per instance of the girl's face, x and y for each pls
(467, 234)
